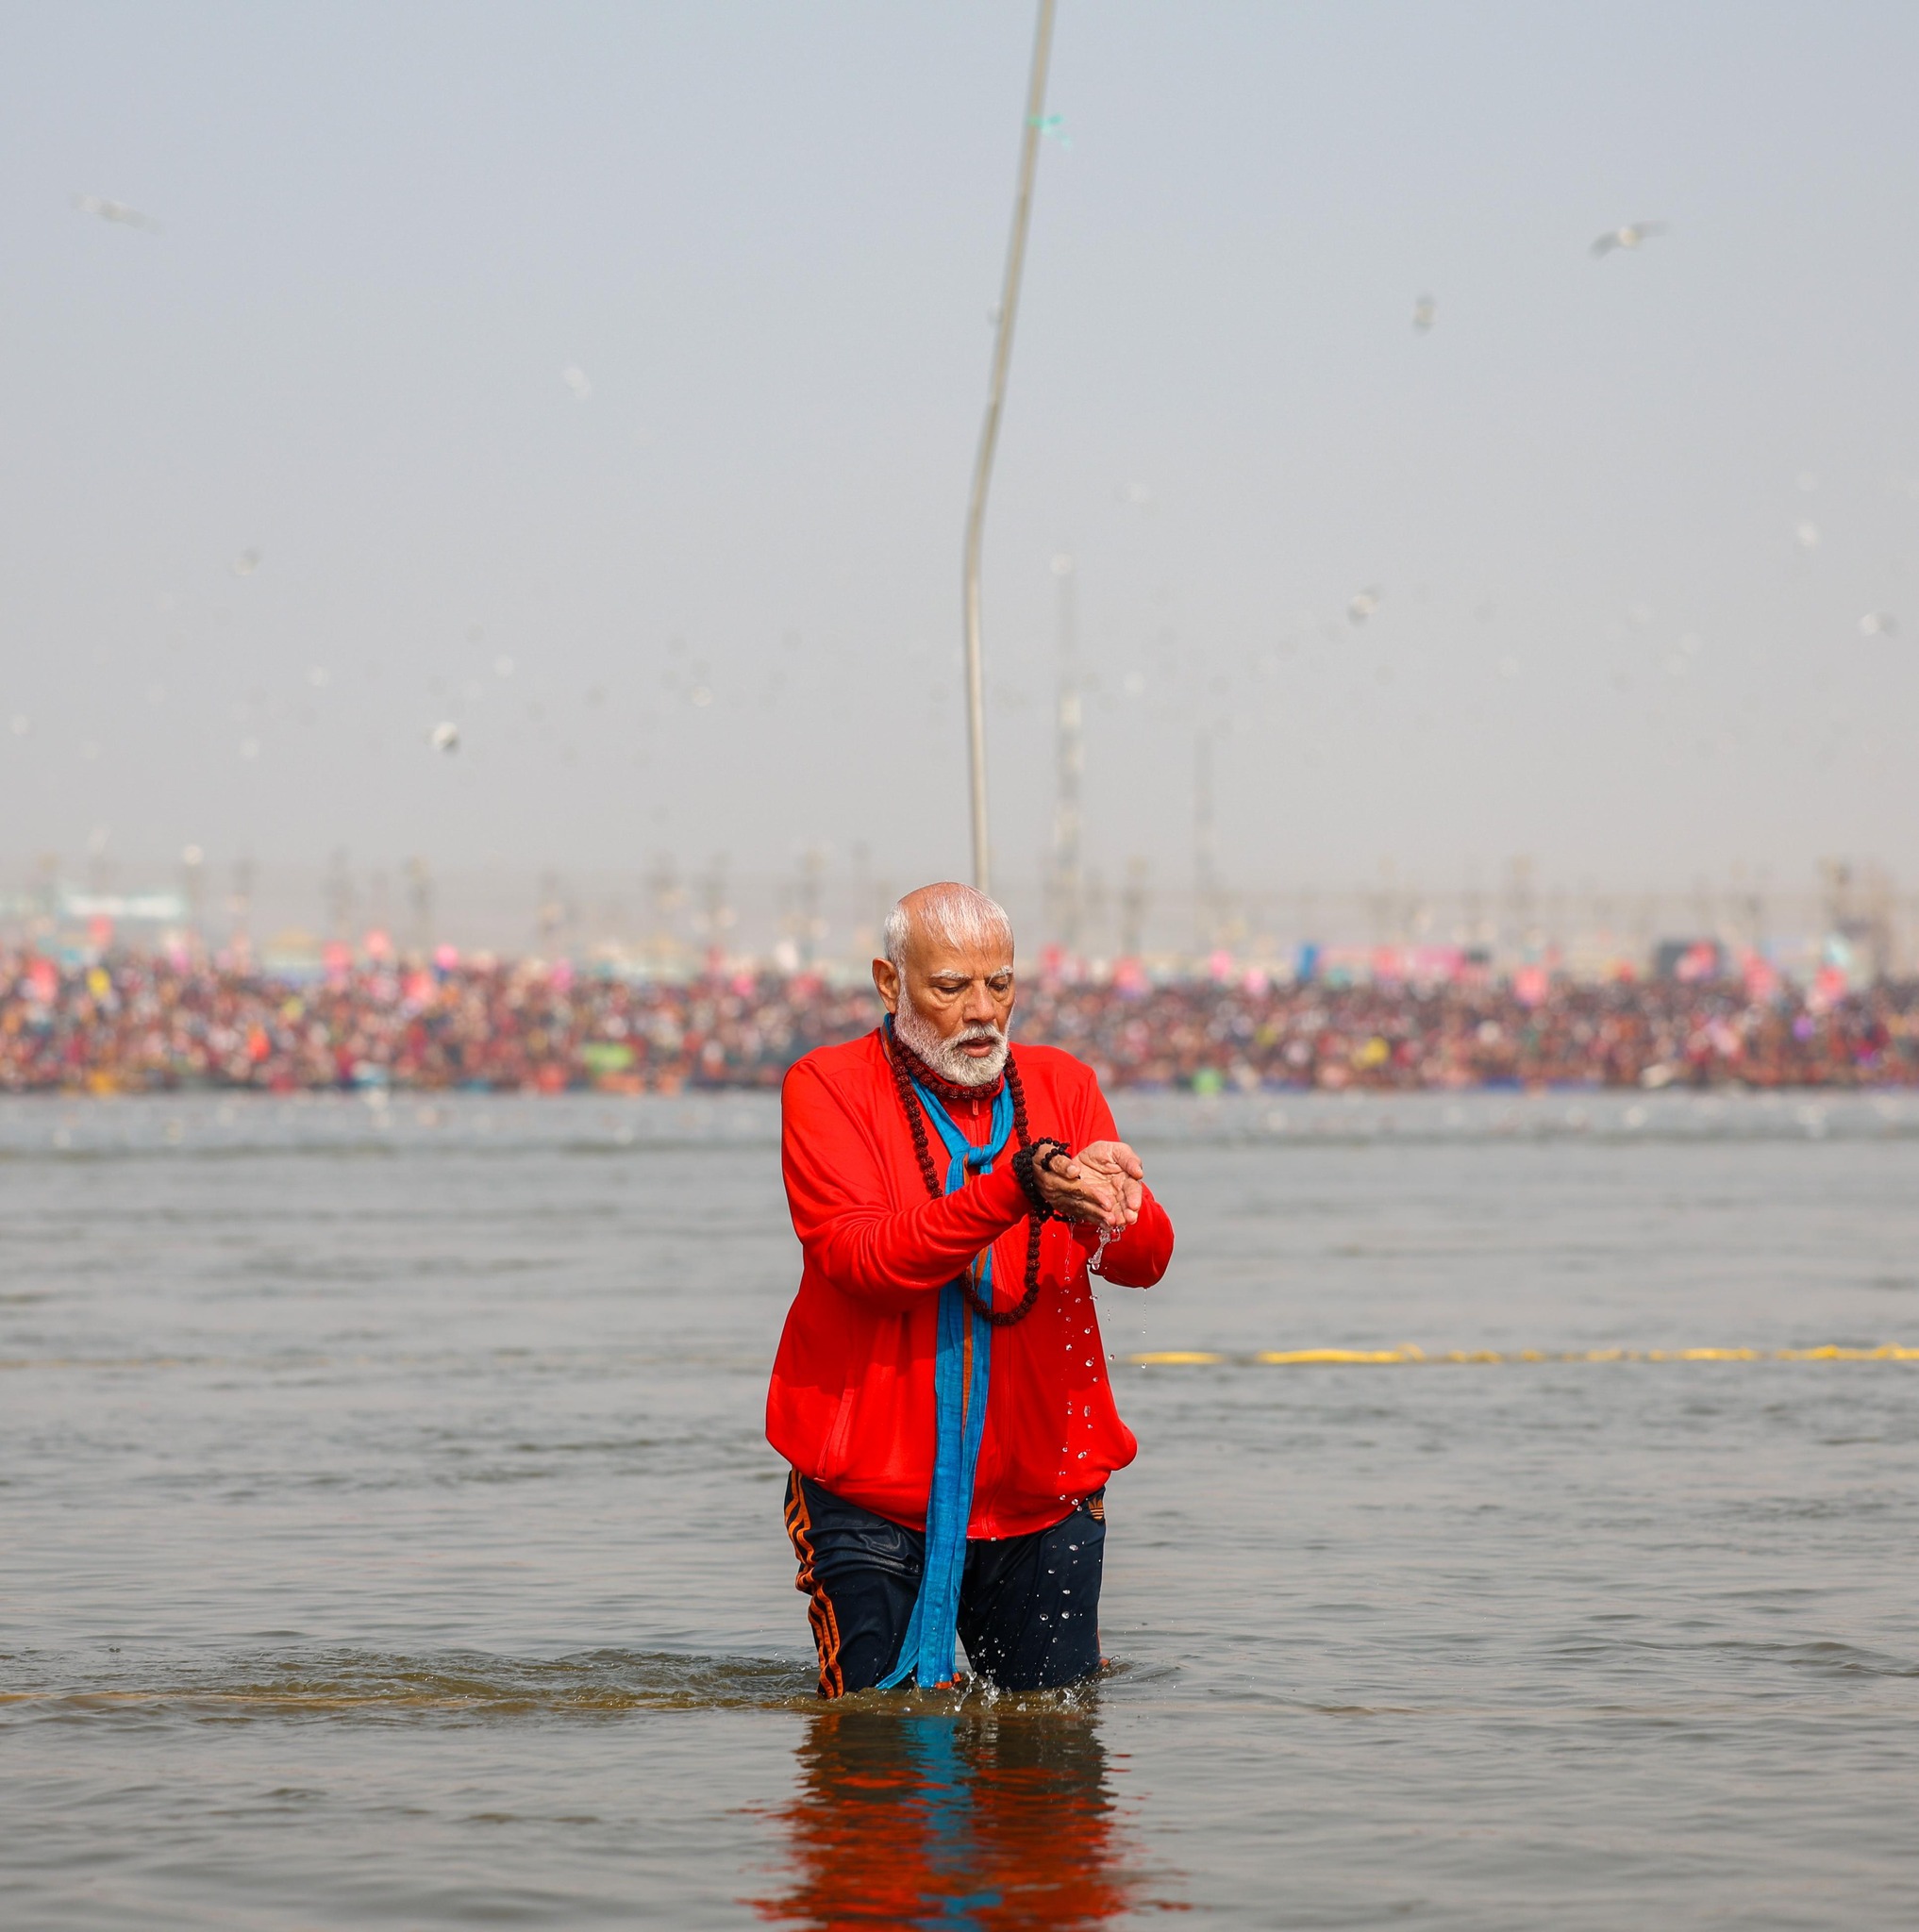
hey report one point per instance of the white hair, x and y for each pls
(954, 913)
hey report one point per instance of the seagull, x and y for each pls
(246, 563)
(1424, 310)
(114, 212)
(1879, 623)
(444, 737)
(1628, 237)
(575, 379)
(1363, 607)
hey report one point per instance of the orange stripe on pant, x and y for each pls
(819, 1605)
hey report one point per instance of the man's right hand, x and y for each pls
(1082, 1192)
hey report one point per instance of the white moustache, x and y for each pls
(948, 1058)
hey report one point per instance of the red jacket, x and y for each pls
(851, 1403)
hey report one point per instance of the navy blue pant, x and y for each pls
(1028, 1605)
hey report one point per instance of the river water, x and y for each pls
(386, 1537)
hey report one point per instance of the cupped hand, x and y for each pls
(1099, 1184)
(1120, 1167)
(1075, 1191)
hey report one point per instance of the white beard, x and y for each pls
(944, 1056)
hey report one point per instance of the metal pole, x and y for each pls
(989, 439)
(1069, 754)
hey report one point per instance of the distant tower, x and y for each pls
(99, 867)
(1473, 929)
(1705, 917)
(340, 898)
(666, 893)
(1133, 903)
(420, 904)
(1749, 895)
(1069, 752)
(194, 894)
(1095, 911)
(240, 904)
(871, 903)
(812, 925)
(1520, 935)
(716, 905)
(550, 915)
(1861, 913)
(46, 892)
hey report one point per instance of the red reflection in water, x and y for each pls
(916, 1818)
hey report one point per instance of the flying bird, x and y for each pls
(115, 211)
(444, 737)
(1879, 623)
(1424, 312)
(1363, 607)
(246, 563)
(1628, 237)
(575, 379)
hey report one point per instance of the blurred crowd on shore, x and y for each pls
(133, 1023)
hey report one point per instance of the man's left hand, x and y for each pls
(1119, 1167)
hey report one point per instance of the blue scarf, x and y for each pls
(960, 1406)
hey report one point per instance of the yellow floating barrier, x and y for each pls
(1887, 1352)
(1305, 1357)
(1408, 1356)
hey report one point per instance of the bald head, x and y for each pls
(947, 980)
(952, 917)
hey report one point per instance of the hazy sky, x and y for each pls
(1623, 517)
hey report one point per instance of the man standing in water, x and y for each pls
(940, 1390)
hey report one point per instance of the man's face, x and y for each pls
(959, 996)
